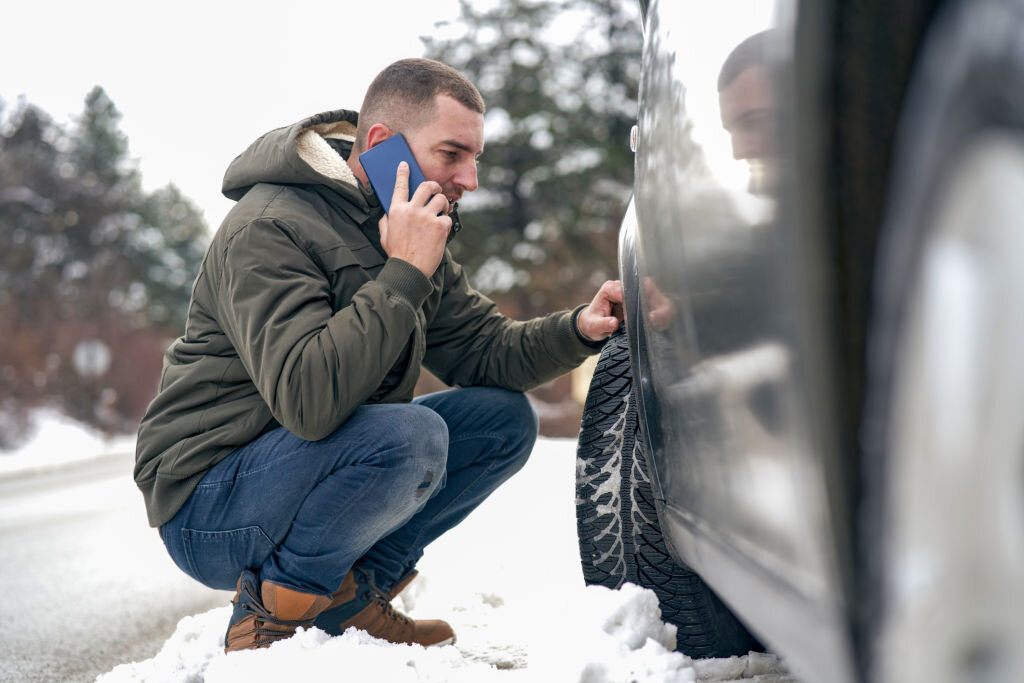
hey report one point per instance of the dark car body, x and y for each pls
(775, 260)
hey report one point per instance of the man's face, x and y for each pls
(447, 147)
(748, 114)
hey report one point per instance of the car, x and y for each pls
(808, 437)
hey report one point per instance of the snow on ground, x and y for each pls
(58, 440)
(614, 637)
(508, 579)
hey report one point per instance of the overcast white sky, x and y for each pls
(196, 82)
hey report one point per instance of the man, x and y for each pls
(748, 110)
(282, 456)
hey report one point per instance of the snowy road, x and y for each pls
(85, 581)
(92, 592)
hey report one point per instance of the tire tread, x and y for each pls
(619, 534)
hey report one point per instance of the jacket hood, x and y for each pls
(299, 154)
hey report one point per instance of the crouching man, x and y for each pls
(284, 456)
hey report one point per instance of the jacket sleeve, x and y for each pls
(469, 343)
(312, 366)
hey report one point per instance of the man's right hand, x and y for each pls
(413, 231)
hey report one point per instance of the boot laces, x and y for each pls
(389, 611)
(265, 619)
(375, 594)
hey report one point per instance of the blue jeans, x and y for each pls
(390, 480)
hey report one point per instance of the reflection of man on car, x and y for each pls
(712, 319)
(715, 327)
(748, 113)
(748, 108)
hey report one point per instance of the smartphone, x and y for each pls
(381, 164)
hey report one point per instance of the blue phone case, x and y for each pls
(381, 165)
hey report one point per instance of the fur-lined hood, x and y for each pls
(298, 154)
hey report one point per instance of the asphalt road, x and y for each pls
(86, 584)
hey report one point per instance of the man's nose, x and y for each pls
(466, 177)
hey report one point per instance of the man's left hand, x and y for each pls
(604, 314)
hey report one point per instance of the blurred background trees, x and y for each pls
(560, 80)
(94, 272)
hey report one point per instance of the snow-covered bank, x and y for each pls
(508, 580)
(615, 637)
(58, 440)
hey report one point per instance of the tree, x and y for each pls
(96, 274)
(560, 81)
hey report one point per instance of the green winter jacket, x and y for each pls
(298, 317)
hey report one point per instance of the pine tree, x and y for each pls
(96, 274)
(560, 81)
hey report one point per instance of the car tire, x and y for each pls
(943, 458)
(617, 523)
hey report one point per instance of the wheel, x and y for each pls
(945, 429)
(617, 522)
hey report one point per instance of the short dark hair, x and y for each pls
(403, 96)
(753, 51)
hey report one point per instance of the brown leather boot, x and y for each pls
(358, 603)
(263, 618)
(400, 586)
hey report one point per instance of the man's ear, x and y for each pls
(377, 134)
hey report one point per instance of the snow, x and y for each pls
(59, 440)
(508, 579)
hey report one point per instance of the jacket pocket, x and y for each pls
(347, 270)
(337, 258)
(217, 558)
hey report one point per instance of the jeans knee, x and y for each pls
(523, 412)
(518, 457)
(427, 435)
(520, 426)
(511, 427)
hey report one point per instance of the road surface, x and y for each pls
(86, 583)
